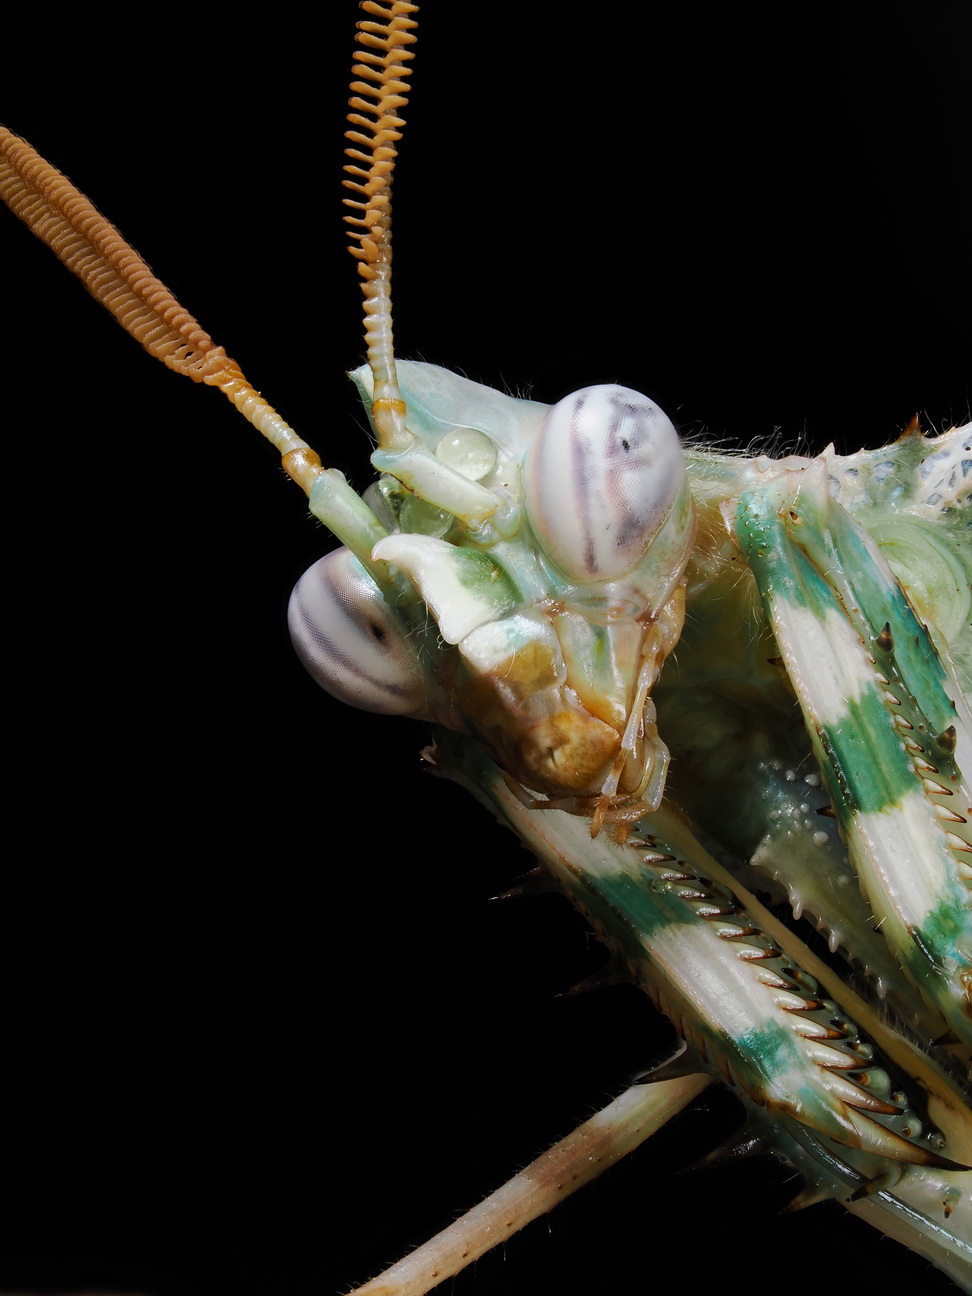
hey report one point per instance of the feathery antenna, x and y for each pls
(378, 96)
(117, 277)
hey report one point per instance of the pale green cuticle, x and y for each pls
(481, 576)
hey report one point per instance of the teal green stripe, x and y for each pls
(938, 952)
(865, 766)
(945, 933)
(637, 906)
(782, 569)
(766, 546)
(771, 1050)
(867, 761)
(833, 540)
(774, 1056)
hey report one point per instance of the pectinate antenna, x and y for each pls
(377, 99)
(378, 96)
(116, 276)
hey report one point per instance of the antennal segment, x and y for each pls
(378, 97)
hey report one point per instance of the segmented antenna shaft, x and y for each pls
(377, 98)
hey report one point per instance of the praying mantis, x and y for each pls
(862, 322)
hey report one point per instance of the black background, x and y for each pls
(262, 1030)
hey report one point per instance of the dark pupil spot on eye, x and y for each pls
(377, 632)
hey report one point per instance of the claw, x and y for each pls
(748, 1142)
(877, 1138)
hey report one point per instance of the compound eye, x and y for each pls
(602, 477)
(351, 641)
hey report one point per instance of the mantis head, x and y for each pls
(516, 571)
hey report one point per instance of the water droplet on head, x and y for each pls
(467, 451)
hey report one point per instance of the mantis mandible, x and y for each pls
(872, 332)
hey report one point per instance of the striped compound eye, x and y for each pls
(602, 477)
(351, 641)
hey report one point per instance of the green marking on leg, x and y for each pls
(944, 933)
(866, 756)
(771, 1050)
